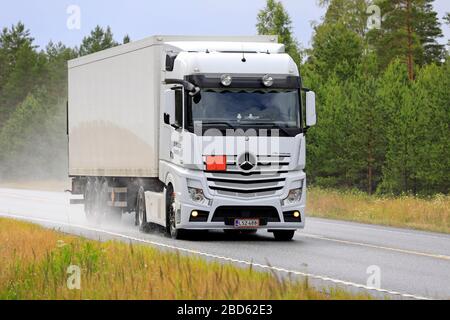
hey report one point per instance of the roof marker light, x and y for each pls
(226, 80)
(267, 80)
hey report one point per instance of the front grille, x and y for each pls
(266, 179)
(266, 214)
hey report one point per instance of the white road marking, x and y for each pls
(367, 245)
(390, 229)
(32, 198)
(228, 259)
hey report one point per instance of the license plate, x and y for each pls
(246, 223)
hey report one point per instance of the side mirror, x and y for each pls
(169, 107)
(170, 60)
(311, 118)
(166, 118)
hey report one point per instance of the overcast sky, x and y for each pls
(47, 19)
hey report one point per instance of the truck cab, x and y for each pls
(232, 151)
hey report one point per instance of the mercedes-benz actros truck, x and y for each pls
(191, 133)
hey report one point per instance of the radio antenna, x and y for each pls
(243, 55)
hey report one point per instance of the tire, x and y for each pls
(171, 227)
(141, 211)
(284, 235)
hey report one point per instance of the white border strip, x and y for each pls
(244, 262)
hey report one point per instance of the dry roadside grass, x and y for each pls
(34, 262)
(406, 212)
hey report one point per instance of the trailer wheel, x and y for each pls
(284, 235)
(89, 201)
(141, 211)
(171, 228)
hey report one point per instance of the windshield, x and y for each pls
(247, 108)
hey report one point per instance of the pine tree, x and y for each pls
(4, 65)
(428, 28)
(336, 49)
(447, 21)
(400, 118)
(126, 39)
(409, 31)
(57, 57)
(432, 100)
(367, 139)
(98, 40)
(37, 125)
(330, 160)
(25, 74)
(274, 20)
(350, 13)
(12, 41)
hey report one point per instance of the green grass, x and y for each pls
(34, 262)
(431, 214)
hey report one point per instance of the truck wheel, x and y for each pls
(171, 228)
(88, 201)
(284, 235)
(141, 211)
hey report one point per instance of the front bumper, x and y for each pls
(187, 208)
(182, 178)
(185, 205)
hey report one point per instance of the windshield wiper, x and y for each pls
(273, 125)
(219, 122)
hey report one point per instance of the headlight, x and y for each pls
(294, 196)
(198, 196)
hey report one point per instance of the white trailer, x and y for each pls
(191, 133)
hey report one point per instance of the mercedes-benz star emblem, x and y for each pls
(247, 161)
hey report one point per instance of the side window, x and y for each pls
(179, 107)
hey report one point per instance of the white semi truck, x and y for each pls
(191, 133)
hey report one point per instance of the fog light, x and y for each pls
(296, 214)
(194, 214)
